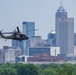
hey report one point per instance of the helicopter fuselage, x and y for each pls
(17, 37)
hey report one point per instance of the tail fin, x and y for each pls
(1, 34)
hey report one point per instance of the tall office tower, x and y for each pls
(64, 32)
(28, 29)
(74, 39)
(52, 38)
(18, 44)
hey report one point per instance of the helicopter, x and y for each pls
(16, 35)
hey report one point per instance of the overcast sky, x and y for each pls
(42, 12)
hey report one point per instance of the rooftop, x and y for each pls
(61, 9)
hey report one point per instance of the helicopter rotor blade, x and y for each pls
(31, 30)
(18, 30)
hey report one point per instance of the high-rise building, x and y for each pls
(74, 39)
(64, 32)
(52, 38)
(28, 29)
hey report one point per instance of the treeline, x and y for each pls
(43, 69)
(18, 69)
(57, 69)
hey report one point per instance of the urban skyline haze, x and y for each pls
(42, 12)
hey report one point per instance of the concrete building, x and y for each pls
(64, 32)
(28, 29)
(55, 51)
(71, 58)
(2, 53)
(36, 41)
(74, 39)
(39, 59)
(44, 58)
(8, 54)
(17, 44)
(51, 51)
(21, 59)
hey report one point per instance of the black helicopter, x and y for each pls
(16, 35)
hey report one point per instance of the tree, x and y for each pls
(8, 71)
(67, 69)
(27, 69)
(49, 71)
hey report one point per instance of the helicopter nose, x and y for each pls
(27, 37)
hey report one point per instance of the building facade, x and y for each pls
(55, 51)
(51, 51)
(74, 39)
(18, 44)
(51, 40)
(36, 41)
(45, 58)
(21, 59)
(28, 29)
(64, 32)
(8, 54)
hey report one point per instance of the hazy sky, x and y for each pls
(42, 12)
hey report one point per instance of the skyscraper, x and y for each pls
(28, 29)
(74, 39)
(64, 31)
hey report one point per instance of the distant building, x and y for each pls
(74, 49)
(21, 59)
(8, 54)
(74, 39)
(55, 51)
(44, 58)
(44, 42)
(71, 58)
(39, 58)
(28, 29)
(51, 40)
(2, 56)
(64, 32)
(17, 44)
(36, 41)
(51, 51)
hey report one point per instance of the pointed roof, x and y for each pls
(61, 9)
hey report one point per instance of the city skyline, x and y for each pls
(13, 13)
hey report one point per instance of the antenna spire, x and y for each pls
(61, 2)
